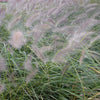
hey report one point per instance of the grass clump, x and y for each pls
(66, 33)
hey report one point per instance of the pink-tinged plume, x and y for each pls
(17, 39)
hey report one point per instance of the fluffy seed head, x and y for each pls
(17, 39)
(27, 63)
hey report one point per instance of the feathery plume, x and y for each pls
(27, 63)
(17, 39)
(82, 57)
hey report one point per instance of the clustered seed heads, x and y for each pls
(69, 18)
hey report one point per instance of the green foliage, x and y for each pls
(96, 46)
(4, 33)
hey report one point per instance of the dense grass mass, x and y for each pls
(50, 50)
